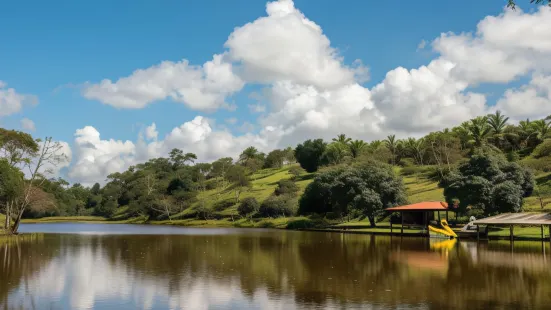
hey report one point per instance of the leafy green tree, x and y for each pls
(17, 147)
(11, 187)
(286, 187)
(309, 154)
(275, 159)
(248, 206)
(368, 187)
(178, 158)
(237, 175)
(488, 182)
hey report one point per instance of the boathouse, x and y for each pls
(419, 214)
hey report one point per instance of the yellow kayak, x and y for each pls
(442, 232)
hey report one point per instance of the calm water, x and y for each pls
(108, 266)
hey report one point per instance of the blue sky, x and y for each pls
(56, 51)
(49, 50)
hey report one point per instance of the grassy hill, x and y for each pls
(419, 188)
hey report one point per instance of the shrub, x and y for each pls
(538, 164)
(542, 150)
(223, 204)
(248, 206)
(296, 171)
(275, 206)
(286, 187)
(211, 184)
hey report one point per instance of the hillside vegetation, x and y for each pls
(484, 166)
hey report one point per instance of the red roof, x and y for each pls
(422, 206)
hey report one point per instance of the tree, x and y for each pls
(368, 188)
(541, 129)
(178, 158)
(309, 154)
(356, 147)
(11, 187)
(237, 175)
(512, 3)
(342, 138)
(39, 165)
(17, 147)
(391, 144)
(488, 182)
(249, 153)
(275, 159)
(416, 149)
(248, 206)
(335, 153)
(498, 124)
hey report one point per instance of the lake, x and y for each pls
(112, 266)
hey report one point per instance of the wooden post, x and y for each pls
(477, 232)
(390, 220)
(511, 232)
(402, 217)
(438, 217)
(446, 216)
(542, 234)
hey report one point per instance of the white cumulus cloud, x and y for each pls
(199, 87)
(28, 124)
(311, 92)
(11, 101)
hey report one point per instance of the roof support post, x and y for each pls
(511, 233)
(542, 234)
(477, 232)
(402, 228)
(390, 220)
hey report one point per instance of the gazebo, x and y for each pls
(420, 212)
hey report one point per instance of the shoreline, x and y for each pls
(268, 224)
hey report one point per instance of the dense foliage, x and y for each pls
(490, 183)
(367, 188)
(483, 163)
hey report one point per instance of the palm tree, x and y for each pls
(336, 153)
(374, 145)
(392, 144)
(416, 148)
(356, 147)
(342, 138)
(249, 153)
(497, 123)
(479, 130)
(542, 129)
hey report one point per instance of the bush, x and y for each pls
(223, 204)
(542, 150)
(211, 184)
(286, 187)
(248, 206)
(276, 206)
(538, 164)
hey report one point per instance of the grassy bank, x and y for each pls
(418, 185)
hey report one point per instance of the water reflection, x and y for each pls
(276, 270)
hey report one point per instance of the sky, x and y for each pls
(120, 82)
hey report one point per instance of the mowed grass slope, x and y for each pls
(419, 187)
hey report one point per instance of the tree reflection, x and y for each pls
(300, 269)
